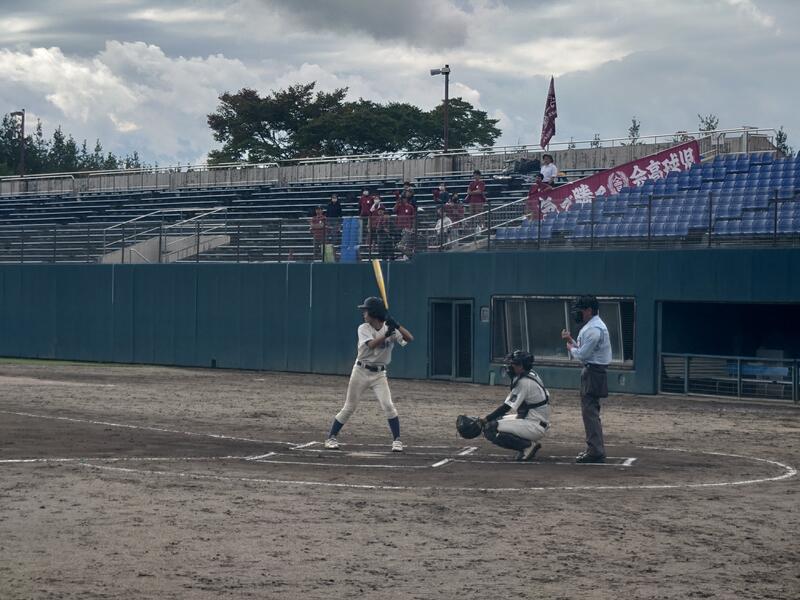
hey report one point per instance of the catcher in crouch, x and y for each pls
(528, 403)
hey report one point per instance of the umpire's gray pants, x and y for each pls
(590, 411)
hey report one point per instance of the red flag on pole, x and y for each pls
(550, 114)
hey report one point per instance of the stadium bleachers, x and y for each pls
(753, 196)
(61, 226)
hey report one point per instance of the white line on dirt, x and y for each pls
(788, 473)
(332, 464)
(306, 445)
(11, 461)
(260, 456)
(441, 463)
(143, 428)
(628, 462)
(468, 450)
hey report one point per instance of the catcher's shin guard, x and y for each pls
(504, 440)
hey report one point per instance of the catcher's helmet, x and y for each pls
(521, 358)
(468, 427)
(374, 307)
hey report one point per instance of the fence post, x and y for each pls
(775, 224)
(591, 226)
(489, 225)
(280, 239)
(238, 240)
(22, 247)
(160, 240)
(539, 217)
(710, 218)
(197, 242)
(686, 374)
(55, 241)
(738, 377)
(88, 242)
(649, 218)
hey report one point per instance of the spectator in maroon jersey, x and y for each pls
(539, 188)
(404, 213)
(365, 203)
(409, 192)
(476, 194)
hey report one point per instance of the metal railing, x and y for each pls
(497, 225)
(729, 376)
(405, 165)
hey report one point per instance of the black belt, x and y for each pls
(543, 424)
(373, 368)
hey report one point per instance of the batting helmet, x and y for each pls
(468, 427)
(374, 307)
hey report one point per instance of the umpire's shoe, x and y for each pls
(529, 452)
(587, 458)
(331, 444)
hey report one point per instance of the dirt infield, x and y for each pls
(145, 482)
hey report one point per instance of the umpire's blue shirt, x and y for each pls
(593, 345)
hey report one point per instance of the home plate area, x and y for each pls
(478, 467)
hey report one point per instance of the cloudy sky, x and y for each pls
(143, 75)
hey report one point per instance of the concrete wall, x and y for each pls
(302, 317)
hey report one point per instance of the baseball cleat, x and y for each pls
(397, 446)
(331, 444)
(529, 452)
(586, 458)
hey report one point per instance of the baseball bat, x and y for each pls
(376, 267)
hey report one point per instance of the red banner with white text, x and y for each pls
(632, 174)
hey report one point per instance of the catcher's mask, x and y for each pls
(374, 307)
(521, 358)
(468, 427)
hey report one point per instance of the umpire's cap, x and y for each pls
(587, 301)
(374, 307)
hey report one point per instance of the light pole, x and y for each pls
(445, 70)
(21, 115)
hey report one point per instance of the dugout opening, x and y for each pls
(748, 350)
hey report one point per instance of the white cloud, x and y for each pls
(663, 61)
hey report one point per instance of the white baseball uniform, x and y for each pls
(529, 401)
(369, 372)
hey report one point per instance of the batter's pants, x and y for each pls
(362, 380)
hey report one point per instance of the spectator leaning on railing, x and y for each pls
(333, 212)
(318, 231)
(454, 210)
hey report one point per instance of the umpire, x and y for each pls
(593, 349)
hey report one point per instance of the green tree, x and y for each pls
(781, 143)
(633, 132)
(61, 153)
(708, 123)
(297, 122)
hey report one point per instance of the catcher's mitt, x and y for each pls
(469, 427)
